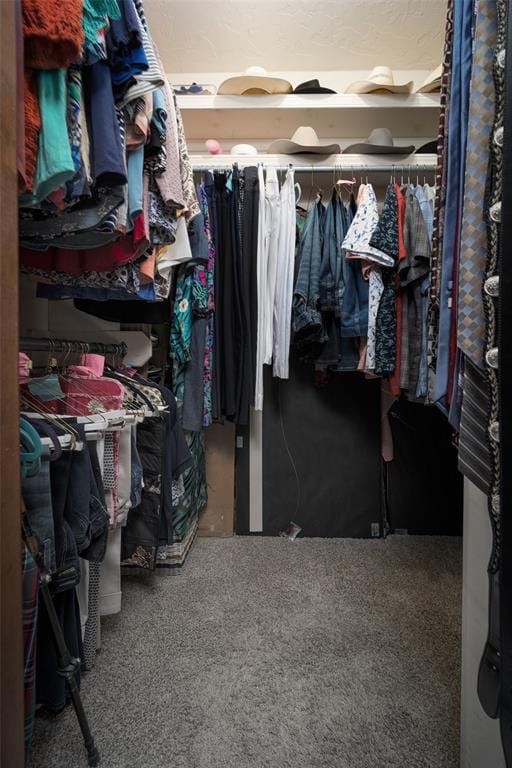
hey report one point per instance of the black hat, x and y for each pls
(430, 148)
(312, 86)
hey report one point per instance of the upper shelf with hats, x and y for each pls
(338, 105)
(312, 101)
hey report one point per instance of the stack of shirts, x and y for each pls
(105, 176)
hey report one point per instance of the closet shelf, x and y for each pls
(343, 117)
(312, 101)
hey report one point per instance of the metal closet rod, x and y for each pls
(28, 344)
(393, 169)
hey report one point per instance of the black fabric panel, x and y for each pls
(333, 435)
(424, 487)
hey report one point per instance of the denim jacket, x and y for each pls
(307, 321)
(331, 271)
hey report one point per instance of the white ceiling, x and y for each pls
(312, 35)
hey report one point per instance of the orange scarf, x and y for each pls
(32, 125)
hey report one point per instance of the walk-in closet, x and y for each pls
(254, 377)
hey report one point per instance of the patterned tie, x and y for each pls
(440, 185)
(473, 253)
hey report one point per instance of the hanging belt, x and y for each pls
(489, 675)
(505, 409)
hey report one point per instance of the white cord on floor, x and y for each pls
(288, 451)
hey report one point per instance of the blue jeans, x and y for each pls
(95, 542)
(67, 574)
(76, 493)
(136, 470)
(354, 314)
(37, 497)
(331, 271)
(307, 321)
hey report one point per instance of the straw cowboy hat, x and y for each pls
(380, 79)
(379, 142)
(253, 81)
(304, 139)
(433, 81)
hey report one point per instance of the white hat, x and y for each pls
(243, 149)
(254, 80)
(379, 142)
(380, 79)
(304, 139)
(433, 81)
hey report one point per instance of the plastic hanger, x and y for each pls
(347, 184)
(145, 406)
(338, 183)
(31, 449)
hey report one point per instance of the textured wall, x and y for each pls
(230, 35)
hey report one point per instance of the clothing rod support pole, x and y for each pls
(391, 168)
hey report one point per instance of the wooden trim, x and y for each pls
(11, 632)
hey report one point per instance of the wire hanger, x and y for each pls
(142, 404)
(33, 407)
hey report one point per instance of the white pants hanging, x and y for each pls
(268, 243)
(272, 222)
(284, 282)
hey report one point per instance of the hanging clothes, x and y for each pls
(348, 306)
(111, 175)
(284, 279)
(455, 166)
(413, 270)
(307, 319)
(384, 239)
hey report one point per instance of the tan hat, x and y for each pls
(433, 81)
(304, 139)
(379, 142)
(255, 80)
(380, 79)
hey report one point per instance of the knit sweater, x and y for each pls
(53, 34)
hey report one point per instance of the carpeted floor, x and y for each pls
(262, 653)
